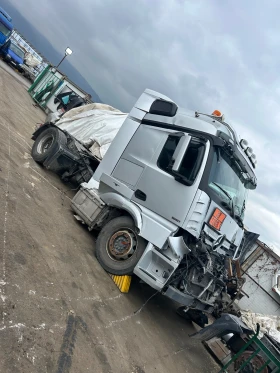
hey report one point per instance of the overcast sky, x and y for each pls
(203, 54)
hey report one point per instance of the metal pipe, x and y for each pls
(61, 60)
(206, 288)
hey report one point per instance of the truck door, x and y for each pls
(169, 181)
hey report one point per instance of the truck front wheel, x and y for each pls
(118, 247)
(46, 144)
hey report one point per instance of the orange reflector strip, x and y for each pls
(217, 219)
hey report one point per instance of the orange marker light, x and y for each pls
(217, 219)
(217, 113)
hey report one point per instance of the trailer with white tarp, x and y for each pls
(74, 145)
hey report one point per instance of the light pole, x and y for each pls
(68, 52)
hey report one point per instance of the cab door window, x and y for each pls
(191, 162)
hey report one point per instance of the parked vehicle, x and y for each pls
(63, 143)
(6, 26)
(29, 66)
(27, 72)
(67, 101)
(13, 54)
(169, 198)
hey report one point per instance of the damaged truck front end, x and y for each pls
(169, 198)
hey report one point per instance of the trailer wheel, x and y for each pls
(46, 144)
(118, 247)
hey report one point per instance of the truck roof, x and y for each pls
(5, 14)
(6, 19)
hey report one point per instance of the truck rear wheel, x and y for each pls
(46, 144)
(118, 247)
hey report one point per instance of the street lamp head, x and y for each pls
(68, 51)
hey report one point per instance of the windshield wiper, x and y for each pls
(243, 208)
(229, 197)
(223, 190)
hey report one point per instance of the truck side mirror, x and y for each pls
(180, 152)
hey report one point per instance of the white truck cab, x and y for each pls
(169, 198)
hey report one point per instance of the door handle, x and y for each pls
(140, 195)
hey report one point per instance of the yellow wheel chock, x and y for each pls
(122, 282)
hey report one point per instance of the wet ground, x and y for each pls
(59, 311)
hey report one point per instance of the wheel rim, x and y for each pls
(255, 364)
(122, 245)
(45, 143)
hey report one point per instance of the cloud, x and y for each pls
(204, 55)
(265, 220)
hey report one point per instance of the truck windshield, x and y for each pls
(227, 181)
(19, 52)
(4, 30)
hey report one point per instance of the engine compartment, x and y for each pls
(208, 277)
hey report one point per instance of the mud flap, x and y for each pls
(224, 325)
(40, 129)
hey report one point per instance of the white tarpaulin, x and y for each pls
(269, 325)
(95, 125)
(31, 60)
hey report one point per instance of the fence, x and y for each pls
(46, 84)
(49, 84)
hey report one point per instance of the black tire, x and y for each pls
(118, 266)
(180, 311)
(193, 315)
(47, 143)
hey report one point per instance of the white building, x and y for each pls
(261, 270)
